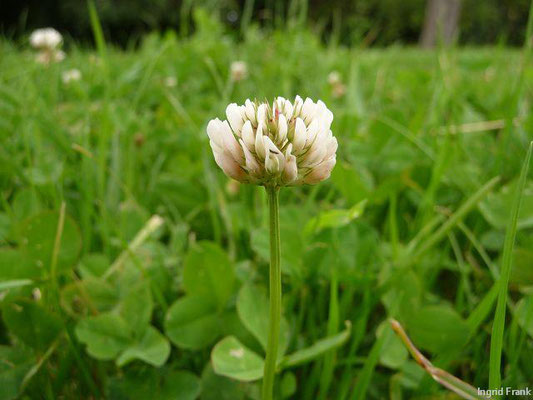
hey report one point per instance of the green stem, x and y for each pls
(275, 295)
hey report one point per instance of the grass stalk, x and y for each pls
(498, 326)
(275, 295)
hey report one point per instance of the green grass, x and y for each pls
(128, 307)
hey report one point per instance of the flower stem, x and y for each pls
(275, 295)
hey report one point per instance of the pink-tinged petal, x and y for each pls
(320, 172)
(314, 157)
(230, 167)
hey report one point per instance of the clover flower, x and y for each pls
(48, 41)
(338, 88)
(238, 70)
(71, 75)
(46, 38)
(276, 144)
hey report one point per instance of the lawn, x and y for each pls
(159, 256)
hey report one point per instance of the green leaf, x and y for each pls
(151, 383)
(5, 285)
(14, 365)
(25, 204)
(153, 348)
(209, 273)
(136, 306)
(253, 310)
(106, 335)
(180, 385)
(14, 265)
(232, 359)
(32, 323)
(288, 385)
(318, 348)
(393, 352)
(93, 265)
(522, 267)
(293, 244)
(334, 218)
(192, 322)
(437, 328)
(37, 239)
(217, 387)
(524, 314)
(496, 207)
(88, 296)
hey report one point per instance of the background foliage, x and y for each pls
(124, 305)
(377, 22)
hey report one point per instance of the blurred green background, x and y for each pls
(375, 22)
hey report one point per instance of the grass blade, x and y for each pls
(318, 348)
(463, 389)
(498, 325)
(97, 29)
(455, 218)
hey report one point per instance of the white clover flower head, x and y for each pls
(334, 78)
(239, 70)
(46, 38)
(279, 144)
(71, 75)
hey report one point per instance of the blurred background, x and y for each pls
(370, 22)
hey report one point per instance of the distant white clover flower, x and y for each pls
(46, 38)
(334, 78)
(275, 145)
(170, 81)
(48, 41)
(71, 75)
(337, 87)
(239, 70)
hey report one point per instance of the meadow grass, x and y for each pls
(434, 141)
